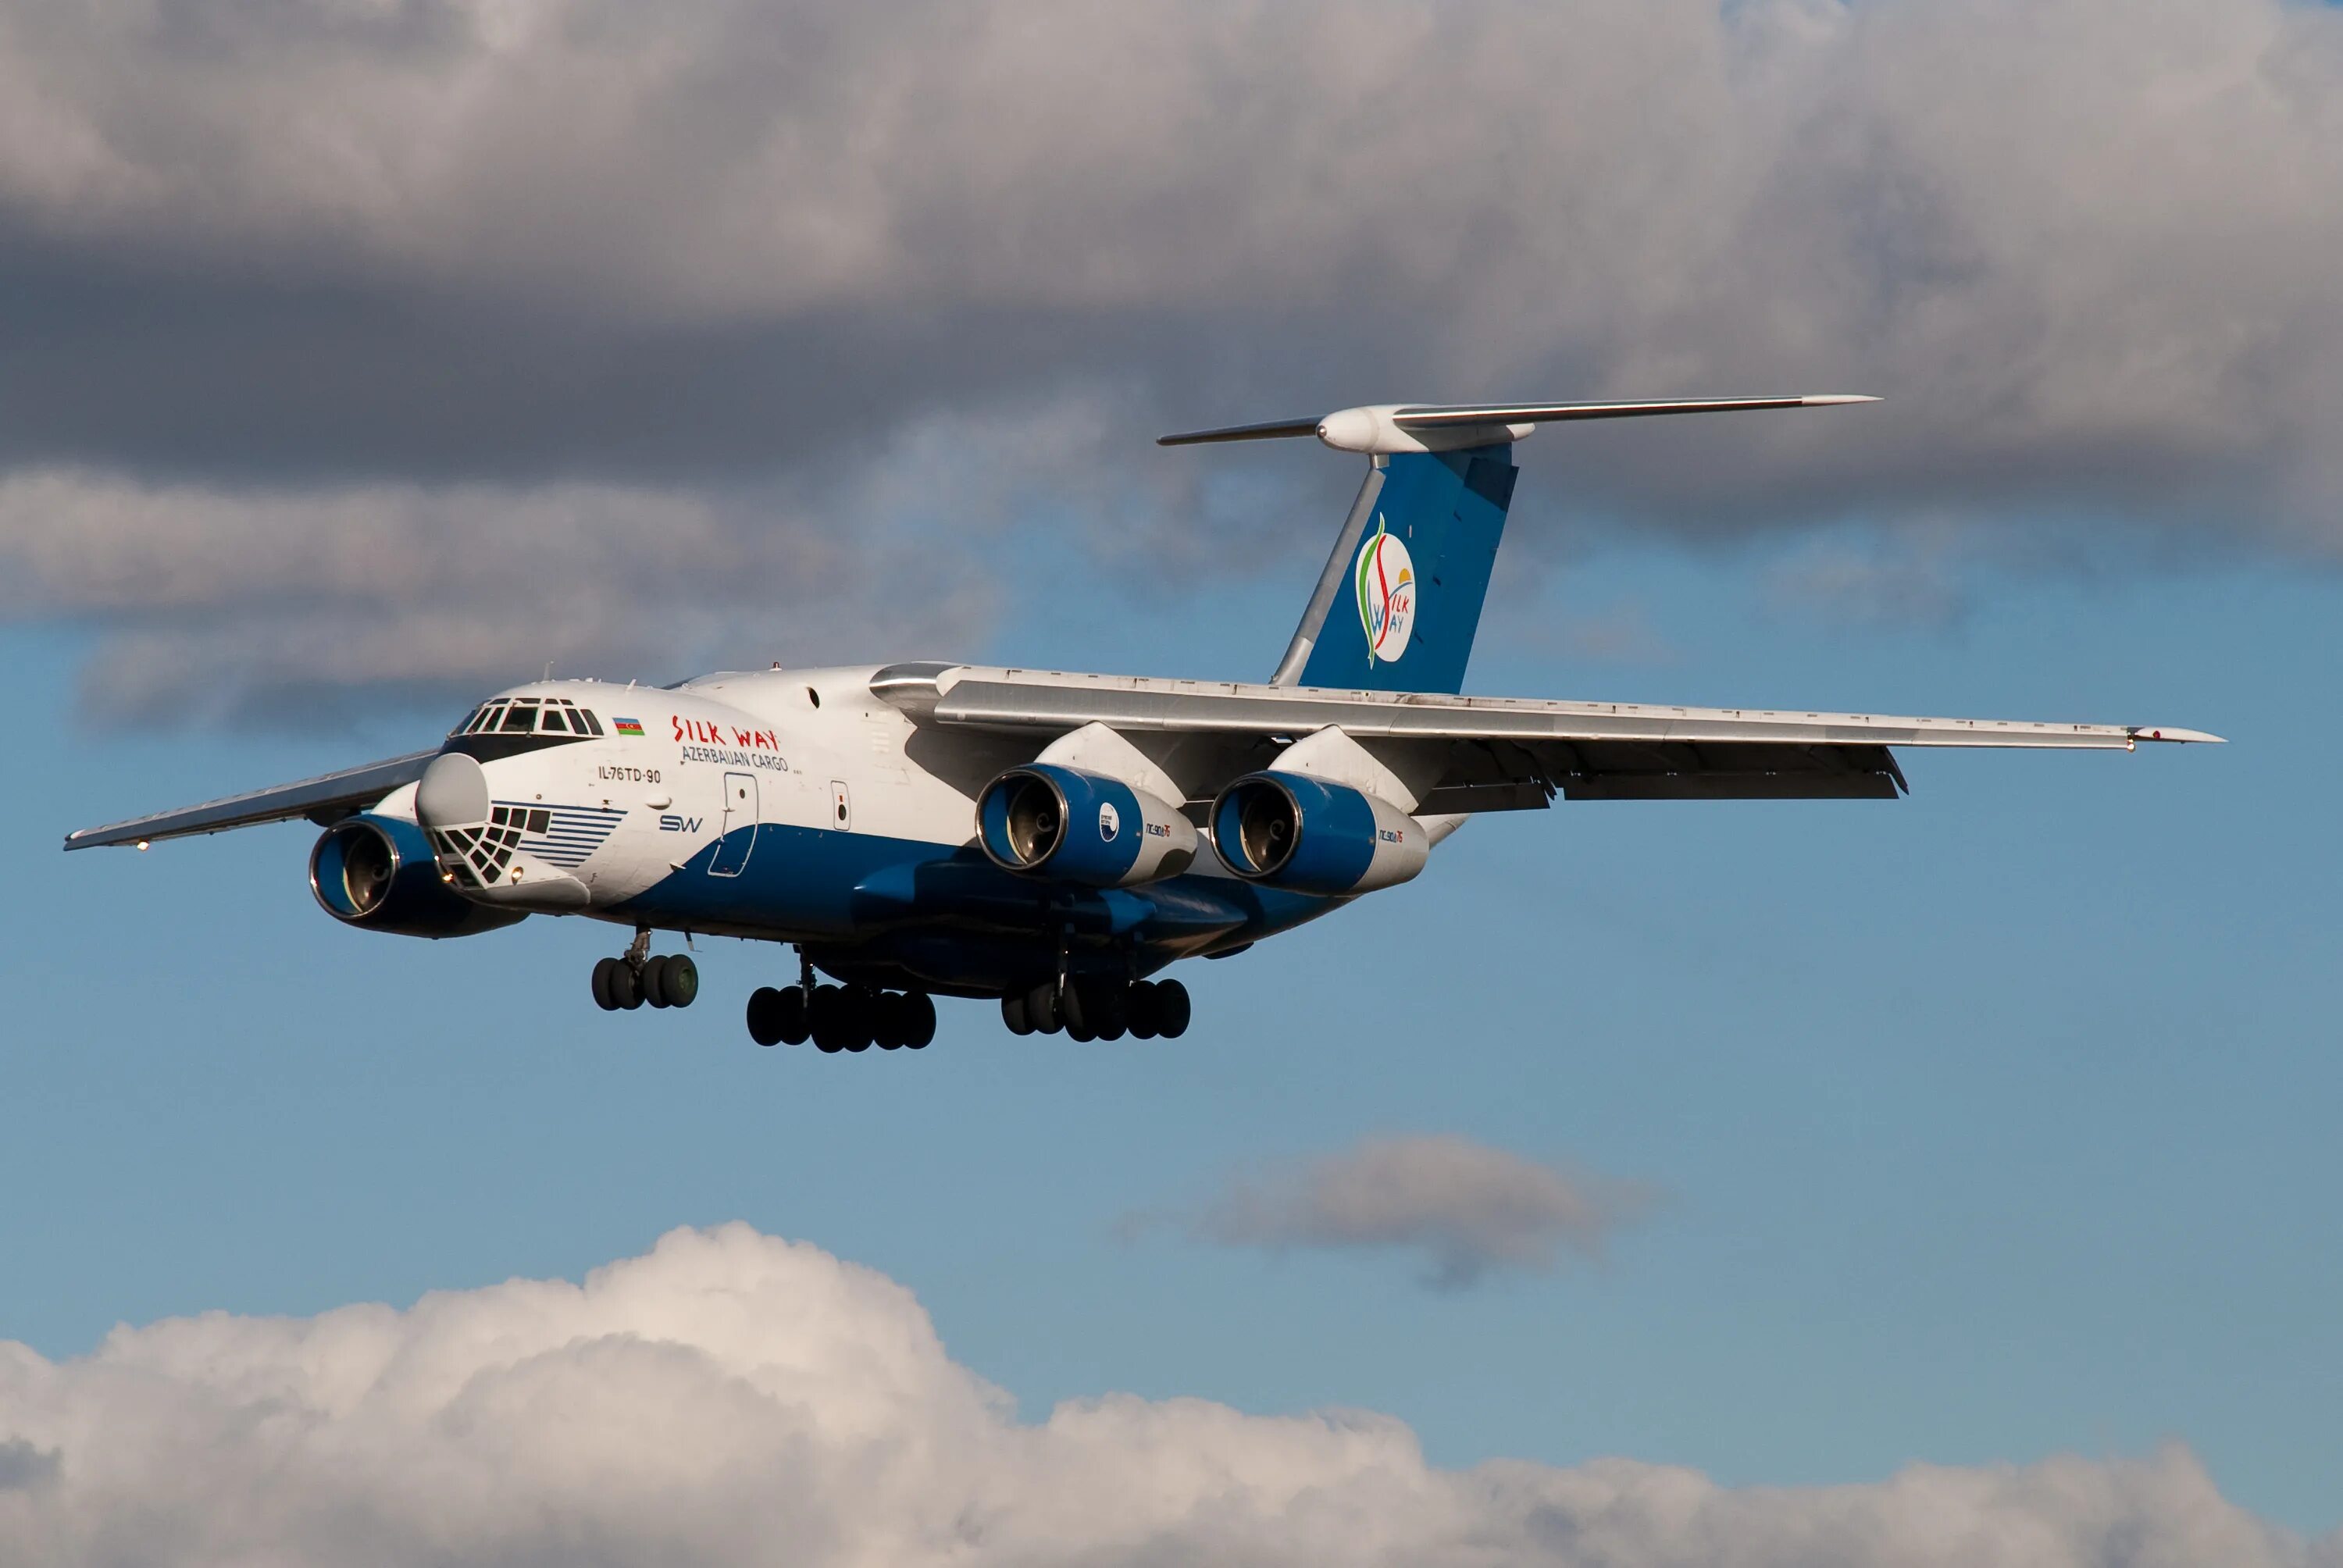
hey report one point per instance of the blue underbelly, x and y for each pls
(947, 914)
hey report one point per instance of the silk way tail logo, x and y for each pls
(1386, 584)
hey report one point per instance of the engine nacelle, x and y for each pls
(1045, 820)
(378, 872)
(1290, 830)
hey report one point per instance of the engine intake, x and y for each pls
(1045, 820)
(1290, 830)
(378, 872)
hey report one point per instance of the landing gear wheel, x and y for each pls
(791, 1018)
(605, 996)
(826, 1020)
(1094, 1010)
(1012, 1013)
(1042, 1011)
(1105, 1006)
(1141, 1006)
(626, 988)
(653, 982)
(768, 1012)
(919, 1018)
(886, 1021)
(1171, 1008)
(679, 981)
(856, 1012)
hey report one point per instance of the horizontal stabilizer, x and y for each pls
(1445, 427)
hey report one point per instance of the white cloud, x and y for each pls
(1466, 1208)
(732, 1399)
(2086, 246)
(702, 290)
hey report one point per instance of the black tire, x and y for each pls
(1073, 1006)
(1012, 1013)
(886, 1021)
(791, 1017)
(920, 1010)
(1041, 1010)
(855, 1009)
(603, 998)
(626, 991)
(1171, 1008)
(653, 981)
(826, 1018)
(1103, 1009)
(1140, 1006)
(765, 1016)
(680, 983)
(1096, 1006)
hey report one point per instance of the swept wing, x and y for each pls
(1492, 753)
(325, 798)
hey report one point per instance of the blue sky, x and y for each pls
(1995, 1122)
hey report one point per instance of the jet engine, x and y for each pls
(378, 872)
(1290, 830)
(1045, 820)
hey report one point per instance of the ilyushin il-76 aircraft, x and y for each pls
(1047, 841)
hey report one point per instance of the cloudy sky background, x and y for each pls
(357, 356)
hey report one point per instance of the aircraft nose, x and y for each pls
(453, 792)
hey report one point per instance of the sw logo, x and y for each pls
(674, 824)
(1385, 580)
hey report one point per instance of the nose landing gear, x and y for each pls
(623, 984)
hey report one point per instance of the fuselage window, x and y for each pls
(521, 719)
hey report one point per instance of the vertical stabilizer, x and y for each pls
(1396, 607)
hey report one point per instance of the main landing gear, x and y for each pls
(623, 984)
(1101, 1010)
(842, 1018)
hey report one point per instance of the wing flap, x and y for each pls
(327, 795)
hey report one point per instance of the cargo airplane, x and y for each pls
(1052, 842)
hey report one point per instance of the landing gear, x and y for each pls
(842, 1018)
(777, 1017)
(1086, 1009)
(623, 984)
(672, 981)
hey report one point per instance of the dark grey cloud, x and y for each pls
(1465, 1210)
(745, 248)
(733, 1399)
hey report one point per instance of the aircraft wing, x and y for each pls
(1496, 753)
(325, 798)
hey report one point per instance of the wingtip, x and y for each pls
(1836, 400)
(2170, 736)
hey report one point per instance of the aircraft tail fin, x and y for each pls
(1400, 600)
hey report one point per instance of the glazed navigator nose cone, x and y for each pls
(454, 792)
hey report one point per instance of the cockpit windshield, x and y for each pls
(530, 716)
(504, 725)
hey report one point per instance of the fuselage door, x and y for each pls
(740, 826)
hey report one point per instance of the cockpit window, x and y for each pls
(464, 725)
(553, 723)
(593, 725)
(521, 720)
